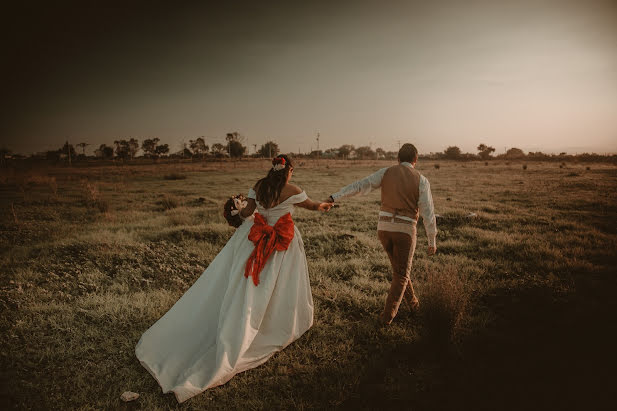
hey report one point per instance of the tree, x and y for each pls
(345, 150)
(515, 153)
(161, 149)
(198, 146)
(485, 151)
(133, 147)
(149, 146)
(122, 149)
(185, 152)
(365, 152)
(234, 144)
(104, 151)
(269, 150)
(4, 153)
(67, 150)
(381, 153)
(452, 152)
(235, 136)
(236, 149)
(218, 148)
(83, 147)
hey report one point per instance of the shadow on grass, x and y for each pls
(536, 355)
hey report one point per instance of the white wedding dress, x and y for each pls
(224, 324)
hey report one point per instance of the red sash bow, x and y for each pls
(267, 239)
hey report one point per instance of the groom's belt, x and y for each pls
(395, 219)
(399, 211)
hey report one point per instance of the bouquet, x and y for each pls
(232, 208)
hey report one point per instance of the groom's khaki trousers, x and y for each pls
(400, 245)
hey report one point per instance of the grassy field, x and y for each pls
(517, 308)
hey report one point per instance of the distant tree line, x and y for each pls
(234, 147)
(485, 152)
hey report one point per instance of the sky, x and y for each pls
(537, 75)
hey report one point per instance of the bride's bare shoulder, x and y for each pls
(292, 189)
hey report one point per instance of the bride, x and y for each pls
(226, 322)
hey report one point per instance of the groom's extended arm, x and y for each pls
(427, 211)
(364, 186)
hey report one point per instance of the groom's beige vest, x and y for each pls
(400, 191)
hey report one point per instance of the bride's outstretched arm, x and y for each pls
(315, 205)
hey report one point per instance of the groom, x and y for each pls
(405, 195)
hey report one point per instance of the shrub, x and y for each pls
(90, 193)
(443, 305)
(486, 163)
(437, 166)
(175, 176)
(168, 202)
(587, 168)
(524, 166)
(92, 197)
(560, 165)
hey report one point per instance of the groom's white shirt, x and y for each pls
(425, 201)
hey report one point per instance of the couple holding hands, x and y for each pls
(225, 324)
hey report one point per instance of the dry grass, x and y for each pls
(445, 300)
(170, 201)
(78, 286)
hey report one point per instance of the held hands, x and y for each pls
(326, 205)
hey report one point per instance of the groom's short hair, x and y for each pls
(408, 153)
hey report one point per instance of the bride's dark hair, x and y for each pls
(268, 189)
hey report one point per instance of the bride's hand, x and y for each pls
(325, 206)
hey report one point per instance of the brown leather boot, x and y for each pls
(395, 296)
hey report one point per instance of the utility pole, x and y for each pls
(317, 141)
(255, 147)
(399, 144)
(68, 148)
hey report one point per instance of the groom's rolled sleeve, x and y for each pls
(364, 186)
(427, 211)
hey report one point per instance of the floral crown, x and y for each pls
(278, 163)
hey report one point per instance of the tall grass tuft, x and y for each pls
(443, 304)
(169, 201)
(92, 197)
